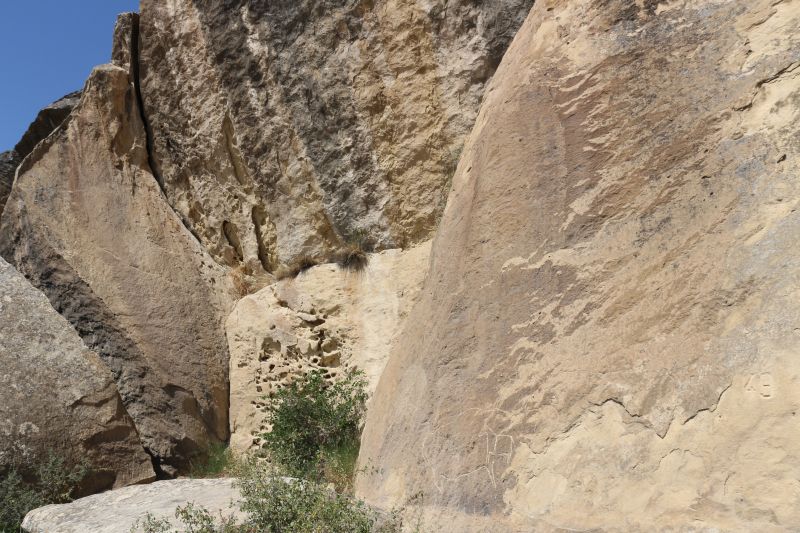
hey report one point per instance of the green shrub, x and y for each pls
(276, 504)
(217, 462)
(316, 425)
(314, 442)
(48, 481)
(194, 519)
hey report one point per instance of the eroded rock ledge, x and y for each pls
(326, 318)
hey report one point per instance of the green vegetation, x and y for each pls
(23, 489)
(302, 482)
(277, 504)
(217, 462)
(316, 427)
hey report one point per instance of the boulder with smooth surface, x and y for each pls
(608, 336)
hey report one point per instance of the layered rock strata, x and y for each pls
(615, 347)
(326, 319)
(288, 128)
(57, 397)
(87, 224)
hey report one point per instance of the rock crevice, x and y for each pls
(87, 223)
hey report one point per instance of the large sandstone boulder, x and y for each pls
(57, 396)
(88, 224)
(285, 128)
(608, 337)
(118, 511)
(325, 318)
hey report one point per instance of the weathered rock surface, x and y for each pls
(57, 396)
(326, 318)
(118, 511)
(45, 123)
(608, 336)
(285, 128)
(88, 225)
(8, 167)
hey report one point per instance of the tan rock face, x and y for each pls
(608, 335)
(88, 225)
(326, 318)
(57, 396)
(47, 120)
(285, 128)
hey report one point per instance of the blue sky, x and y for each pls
(48, 49)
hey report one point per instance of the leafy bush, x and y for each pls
(316, 429)
(49, 481)
(316, 425)
(276, 504)
(194, 520)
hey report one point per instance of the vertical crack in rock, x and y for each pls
(152, 162)
(89, 225)
(134, 70)
(232, 236)
(260, 223)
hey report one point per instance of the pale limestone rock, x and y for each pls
(87, 224)
(118, 511)
(57, 396)
(286, 128)
(608, 337)
(326, 318)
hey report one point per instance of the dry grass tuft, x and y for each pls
(353, 258)
(297, 267)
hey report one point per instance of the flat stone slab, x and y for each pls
(117, 511)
